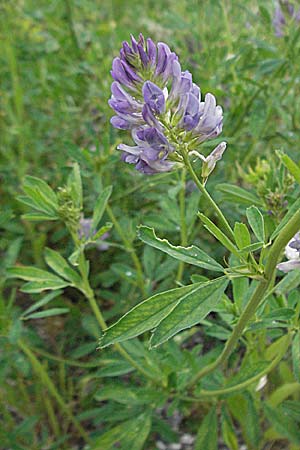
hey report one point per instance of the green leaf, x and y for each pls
(291, 166)
(130, 395)
(131, 434)
(11, 253)
(47, 313)
(148, 314)
(291, 409)
(75, 185)
(252, 248)
(228, 432)
(280, 314)
(190, 311)
(282, 424)
(114, 369)
(292, 210)
(101, 231)
(215, 231)
(242, 235)
(45, 190)
(207, 436)
(100, 207)
(289, 281)
(240, 287)
(61, 267)
(29, 273)
(34, 287)
(37, 217)
(238, 195)
(256, 222)
(251, 421)
(73, 258)
(247, 372)
(191, 255)
(296, 356)
(42, 197)
(118, 393)
(44, 301)
(283, 392)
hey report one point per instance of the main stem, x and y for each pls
(287, 232)
(212, 203)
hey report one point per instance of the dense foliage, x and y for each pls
(202, 349)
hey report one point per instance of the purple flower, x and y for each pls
(211, 160)
(292, 252)
(124, 74)
(154, 97)
(189, 108)
(182, 82)
(129, 111)
(211, 119)
(151, 92)
(150, 152)
(84, 232)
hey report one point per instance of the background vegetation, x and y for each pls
(55, 82)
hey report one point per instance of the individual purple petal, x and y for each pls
(127, 54)
(182, 82)
(162, 57)
(134, 43)
(151, 50)
(292, 250)
(211, 119)
(121, 124)
(143, 55)
(154, 97)
(196, 91)
(119, 74)
(149, 117)
(287, 266)
(130, 72)
(141, 40)
(192, 113)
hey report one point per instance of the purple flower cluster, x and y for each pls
(284, 12)
(161, 106)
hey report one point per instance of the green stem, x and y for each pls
(287, 232)
(41, 372)
(71, 362)
(238, 387)
(183, 227)
(51, 416)
(204, 192)
(129, 248)
(88, 292)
